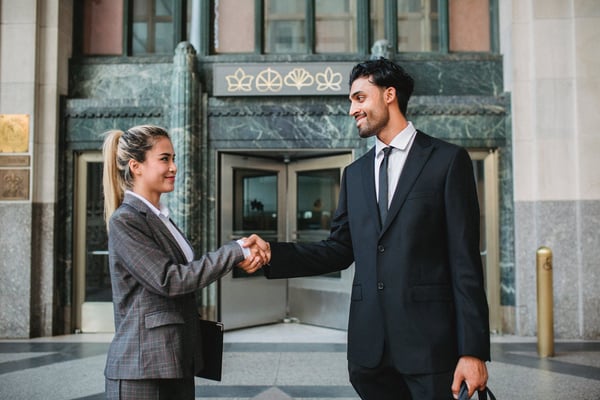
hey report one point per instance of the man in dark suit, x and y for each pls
(418, 322)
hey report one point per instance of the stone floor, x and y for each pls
(287, 361)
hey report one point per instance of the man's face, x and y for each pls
(368, 107)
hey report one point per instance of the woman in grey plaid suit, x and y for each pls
(153, 271)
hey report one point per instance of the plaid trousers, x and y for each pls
(150, 389)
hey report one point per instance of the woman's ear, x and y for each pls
(134, 167)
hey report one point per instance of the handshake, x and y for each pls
(260, 254)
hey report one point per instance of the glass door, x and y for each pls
(93, 310)
(291, 200)
(313, 191)
(252, 201)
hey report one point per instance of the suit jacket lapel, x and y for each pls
(155, 222)
(415, 161)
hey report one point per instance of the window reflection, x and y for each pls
(317, 195)
(418, 25)
(335, 26)
(153, 29)
(97, 275)
(254, 207)
(285, 28)
(234, 26)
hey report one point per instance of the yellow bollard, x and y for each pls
(545, 306)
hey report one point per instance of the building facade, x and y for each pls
(254, 94)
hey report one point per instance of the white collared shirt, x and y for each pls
(401, 144)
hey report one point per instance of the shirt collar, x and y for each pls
(401, 141)
(162, 211)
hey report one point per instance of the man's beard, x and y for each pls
(369, 130)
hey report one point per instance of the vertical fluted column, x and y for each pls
(184, 127)
(185, 202)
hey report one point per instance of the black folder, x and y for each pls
(210, 341)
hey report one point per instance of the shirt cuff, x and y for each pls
(246, 250)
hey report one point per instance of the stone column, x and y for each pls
(184, 128)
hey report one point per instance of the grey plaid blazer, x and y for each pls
(154, 295)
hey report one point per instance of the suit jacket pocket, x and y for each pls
(162, 346)
(160, 318)
(416, 195)
(426, 293)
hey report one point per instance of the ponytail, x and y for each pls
(114, 186)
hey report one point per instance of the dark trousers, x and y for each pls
(384, 382)
(146, 389)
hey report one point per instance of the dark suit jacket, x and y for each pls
(418, 282)
(154, 295)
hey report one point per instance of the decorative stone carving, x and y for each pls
(381, 48)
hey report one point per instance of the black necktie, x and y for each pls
(383, 184)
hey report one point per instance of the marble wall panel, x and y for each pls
(114, 80)
(42, 270)
(15, 269)
(589, 240)
(569, 229)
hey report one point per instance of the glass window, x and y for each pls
(418, 26)
(285, 26)
(378, 21)
(97, 275)
(317, 193)
(335, 26)
(469, 25)
(234, 26)
(153, 29)
(255, 207)
(102, 27)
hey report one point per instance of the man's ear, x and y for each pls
(390, 94)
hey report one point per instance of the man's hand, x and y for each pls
(473, 371)
(260, 254)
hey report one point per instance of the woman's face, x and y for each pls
(156, 175)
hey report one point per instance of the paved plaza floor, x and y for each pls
(287, 361)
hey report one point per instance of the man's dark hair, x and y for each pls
(385, 73)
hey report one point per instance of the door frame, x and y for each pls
(492, 233)
(87, 316)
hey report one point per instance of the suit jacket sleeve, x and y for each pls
(289, 260)
(141, 250)
(462, 222)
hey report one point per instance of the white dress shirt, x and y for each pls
(401, 144)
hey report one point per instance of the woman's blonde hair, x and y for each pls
(120, 147)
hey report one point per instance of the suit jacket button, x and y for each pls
(380, 286)
(381, 248)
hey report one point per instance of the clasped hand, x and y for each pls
(260, 254)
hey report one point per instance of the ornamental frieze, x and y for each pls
(293, 79)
